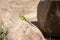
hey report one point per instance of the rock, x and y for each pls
(18, 29)
(49, 17)
(11, 8)
(22, 30)
(19, 6)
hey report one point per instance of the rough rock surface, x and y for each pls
(10, 21)
(19, 6)
(13, 8)
(19, 29)
(22, 30)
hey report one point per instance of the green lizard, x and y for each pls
(25, 19)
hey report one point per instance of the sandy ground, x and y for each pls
(26, 7)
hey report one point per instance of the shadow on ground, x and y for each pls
(47, 37)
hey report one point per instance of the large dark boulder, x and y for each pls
(48, 14)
